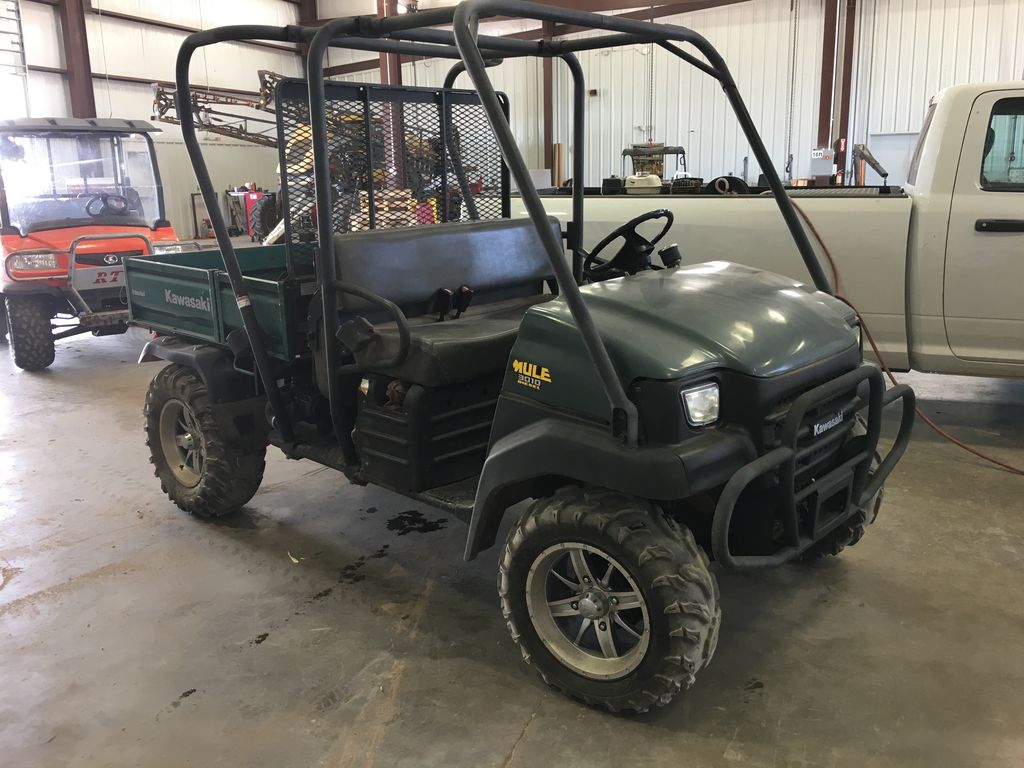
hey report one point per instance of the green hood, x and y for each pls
(675, 323)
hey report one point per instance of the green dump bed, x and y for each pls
(188, 294)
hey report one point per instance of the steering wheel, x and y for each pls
(108, 204)
(635, 253)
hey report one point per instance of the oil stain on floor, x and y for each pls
(413, 521)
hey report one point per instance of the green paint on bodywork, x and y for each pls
(676, 324)
(189, 294)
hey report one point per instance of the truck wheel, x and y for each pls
(611, 601)
(3, 322)
(262, 218)
(31, 337)
(199, 469)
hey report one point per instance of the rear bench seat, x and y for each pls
(502, 261)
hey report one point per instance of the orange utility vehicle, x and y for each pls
(76, 197)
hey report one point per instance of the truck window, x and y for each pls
(915, 160)
(1002, 161)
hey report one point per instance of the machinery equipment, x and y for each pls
(648, 172)
(223, 113)
(643, 183)
(862, 155)
(657, 414)
(76, 198)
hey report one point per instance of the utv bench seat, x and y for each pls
(502, 261)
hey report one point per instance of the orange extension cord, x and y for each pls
(881, 361)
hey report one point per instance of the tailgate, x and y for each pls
(173, 299)
(194, 300)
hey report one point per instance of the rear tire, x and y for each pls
(262, 218)
(644, 624)
(28, 317)
(199, 468)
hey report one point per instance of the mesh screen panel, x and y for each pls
(395, 161)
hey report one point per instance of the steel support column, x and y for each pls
(828, 70)
(848, 22)
(391, 74)
(548, 97)
(390, 63)
(76, 57)
(307, 14)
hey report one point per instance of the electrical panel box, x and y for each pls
(822, 160)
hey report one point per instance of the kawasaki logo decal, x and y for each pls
(824, 426)
(189, 302)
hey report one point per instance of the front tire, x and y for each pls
(610, 600)
(28, 317)
(199, 467)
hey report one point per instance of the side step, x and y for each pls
(456, 498)
(327, 454)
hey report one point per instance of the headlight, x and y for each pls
(157, 248)
(25, 262)
(701, 405)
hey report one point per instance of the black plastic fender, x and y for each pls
(214, 364)
(536, 459)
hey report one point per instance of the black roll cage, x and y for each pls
(412, 34)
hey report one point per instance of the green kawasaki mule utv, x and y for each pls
(411, 335)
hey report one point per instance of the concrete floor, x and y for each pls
(320, 628)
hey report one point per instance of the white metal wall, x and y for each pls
(905, 52)
(48, 93)
(775, 79)
(908, 50)
(121, 47)
(124, 47)
(756, 39)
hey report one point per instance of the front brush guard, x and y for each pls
(852, 477)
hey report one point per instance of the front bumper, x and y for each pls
(87, 287)
(816, 506)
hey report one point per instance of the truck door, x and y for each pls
(984, 274)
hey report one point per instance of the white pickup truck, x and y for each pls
(936, 270)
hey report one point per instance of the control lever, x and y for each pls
(442, 303)
(355, 334)
(670, 256)
(462, 300)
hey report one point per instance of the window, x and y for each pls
(58, 179)
(1002, 162)
(915, 160)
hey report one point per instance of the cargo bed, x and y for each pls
(188, 294)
